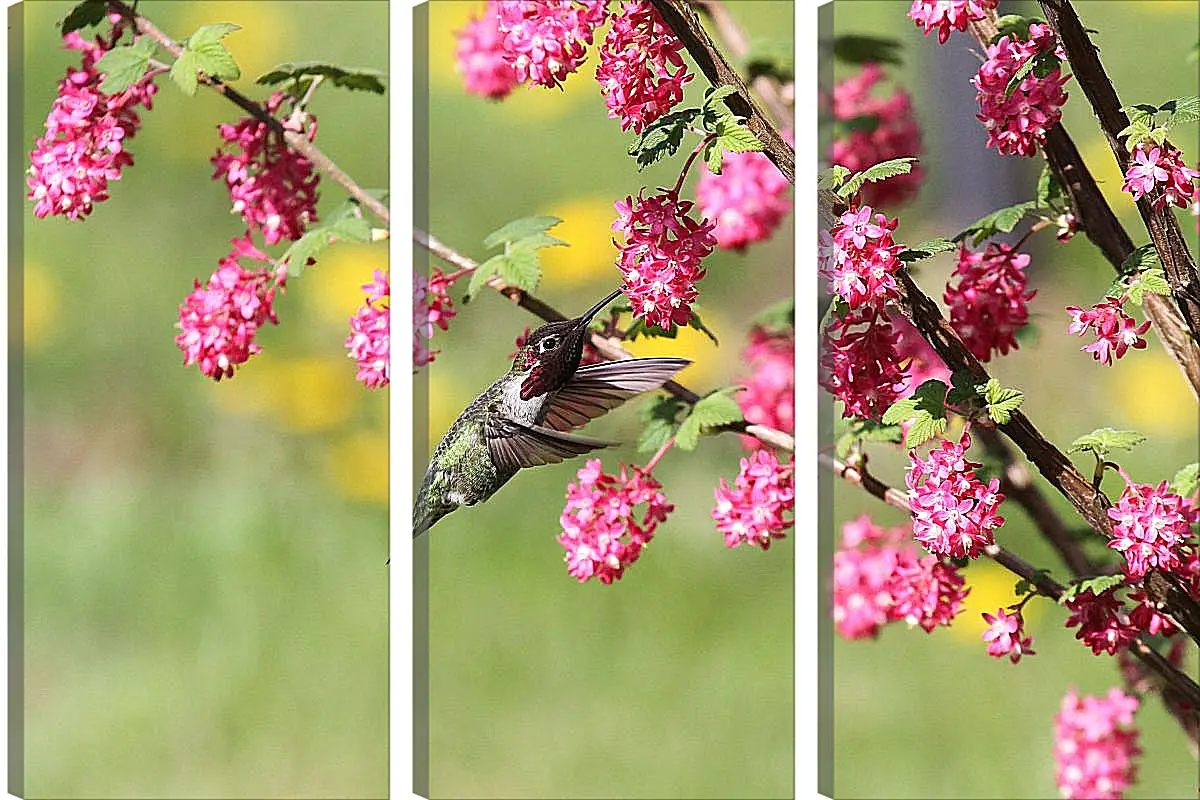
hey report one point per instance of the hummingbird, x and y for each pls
(524, 418)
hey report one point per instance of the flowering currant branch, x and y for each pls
(609, 347)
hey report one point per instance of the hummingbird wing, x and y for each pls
(596, 389)
(513, 446)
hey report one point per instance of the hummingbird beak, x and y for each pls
(594, 310)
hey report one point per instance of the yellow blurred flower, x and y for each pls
(587, 227)
(1153, 394)
(41, 305)
(358, 466)
(1103, 164)
(334, 286)
(308, 394)
(689, 343)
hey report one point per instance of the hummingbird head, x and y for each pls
(552, 353)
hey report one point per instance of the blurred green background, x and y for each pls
(924, 716)
(677, 681)
(205, 580)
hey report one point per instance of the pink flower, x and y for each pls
(770, 396)
(368, 341)
(892, 132)
(861, 590)
(87, 135)
(602, 534)
(272, 186)
(1095, 745)
(747, 200)
(218, 323)
(1151, 524)
(927, 591)
(1017, 123)
(1161, 169)
(858, 257)
(635, 71)
(860, 364)
(988, 304)
(1102, 622)
(1116, 330)
(947, 15)
(751, 511)
(660, 257)
(546, 40)
(1006, 637)
(1147, 616)
(481, 58)
(954, 514)
(432, 306)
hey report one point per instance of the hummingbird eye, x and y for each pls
(547, 344)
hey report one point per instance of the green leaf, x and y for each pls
(715, 409)
(1181, 111)
(1153, 281)
(1186, 480)
(713, 156)
(1103, 441)
(211, 34)
(314, 240)
(965, 389)
(1135, 132)
(773, 58)
(714, 96)
(736, 137)
(663, 137)
(1048, 190)
(867, 430)
(659, 414)
(881, 171)
(926, 249)
(1001, 401)
(1000, 221)
(698, 324)
(1021, 74)
(350, 229)
(1142, 258)
(1014, 26)
(519, 229)
(866, 49)
(482, 273)
(352, 78)
(926, 410)
(833, 177)
(1044, 63)
(1098, 586)
(777, 318)
(183, 72)
(639, 328)
(84, 15)
(520, 267)
(1028, 586)
(216, 61)
(124, 66)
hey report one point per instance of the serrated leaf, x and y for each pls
(777, 318)
(1181, 111)
(520, 267)
(964, 389)
(1142, 258)
(1013, 25)
(124, 66)
(84, 15)
(857, 49)
(352, 78)
(1186, 480)
(713, 157)
(314, 240)
(659, 417)
(737, 138)
(1021, 73)
(715, 409)
(881, 171)
(183, 72)
(1045, 63)
(1000, 221)
(1135, 132)
(1153, 281)
(1103, 441)
(1098, 585)
(211, 34)
(714, 96)
(833, 177)
(654, 435)
(519, 229)
(926, 249)
(1001, 401)
(663, 137)
(925, 411)
(867, 430)
(216, 61)
(482, 273)
(1048, 190)
(349, 229)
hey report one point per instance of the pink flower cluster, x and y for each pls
(1095, 744)
(87, 134)
(218, 322)
(988, 303)
(954, 513)
(1103, 624)
(660, 256)
(858, 258)
(859, 363)
(635, 71)
(747, 200)
(1017, 123)
(272, 186)
(948, 15)
(368, 341)
(601, 531)
(878, 579)
(546, 40)
(1006, 635)
(1162, 174)
(481, 61)
(1116, 331)
(432, 306)
(770, 396)
(751, 511)
(894, 133)
(1151, 523)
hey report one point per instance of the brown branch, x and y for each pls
(681, 18)
(295, 139)
(609, 346)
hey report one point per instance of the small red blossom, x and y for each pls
(1151, 524)
(546, 40)
(770, 396)
(369, 342)
(860, 363)
(218, 323)
(893, 133)
(1161, 174)
(272, 186)
(948, 15)
(432, 307)
(1095, 745)
(747, 200)
(1116, 331)
(751, 511)
(660, 256)
(641, 72)
(954, 514)
(601, 531)
(1103, 624)
(481, 56)
(1017, 123)
(1005, 636)
(1147, 615)
(858, 257)
(988, 302)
